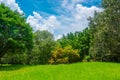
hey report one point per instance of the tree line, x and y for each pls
(99, 42)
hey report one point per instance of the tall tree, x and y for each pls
(105, 28)
(43, 45)
(15, 34)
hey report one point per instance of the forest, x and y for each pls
(99, 42)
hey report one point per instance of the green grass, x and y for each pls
(78, 71)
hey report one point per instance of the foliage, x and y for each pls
(14, 59)
(100, 41)
(64, 55)
(78, 40)
(15, 34)
(105, 30)
(43, 45)
(87, 59)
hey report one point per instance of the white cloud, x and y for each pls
(40, 23)
(70, 4)
(58, 37)
(76, 18)
(12, 4)
(73, 19)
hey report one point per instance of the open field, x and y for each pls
(77, 71)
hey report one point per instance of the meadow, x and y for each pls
(76, 71)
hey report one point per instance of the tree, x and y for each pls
(43, 45)
(78, 40)
(105, 28)
(15, 34)
(96, 44)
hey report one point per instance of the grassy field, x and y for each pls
(77, 71)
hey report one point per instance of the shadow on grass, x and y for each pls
(8, 67)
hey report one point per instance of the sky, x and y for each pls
(57, 16)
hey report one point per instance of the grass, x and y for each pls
(77, 71)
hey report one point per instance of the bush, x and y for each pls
(87, 59)
(14, 59)
(64, 55)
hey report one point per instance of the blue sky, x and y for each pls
(46, 6)
(57, 16)
(49, 6)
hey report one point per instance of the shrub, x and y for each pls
(87, 59)
(14, 59)
(64, 55)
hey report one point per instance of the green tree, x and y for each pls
(96, 44)
(43, 45)
(105, 28)
(78, 40)
(15, 34)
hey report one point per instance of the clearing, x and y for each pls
(77, 71)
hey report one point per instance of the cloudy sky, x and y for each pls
(57, 16)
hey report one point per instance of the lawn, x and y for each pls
(77, 71)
